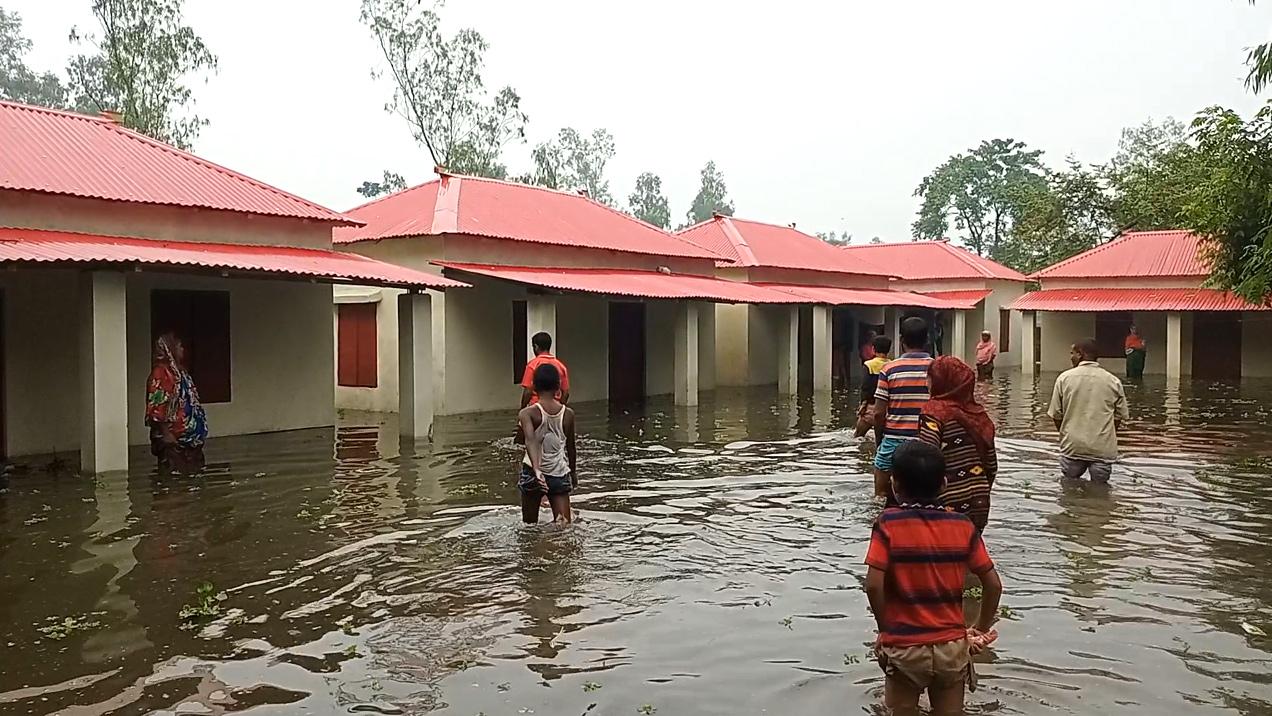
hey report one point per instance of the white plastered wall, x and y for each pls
(280, 342)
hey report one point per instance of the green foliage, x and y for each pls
(439, 89)
(1069, 214)
(842, 238)
(984, 190)
(648, 203)
(138, 67)
(574, 162)
(1229, 198)
(18, 82)
(712, 197)
(390, 183)
(1149, 175)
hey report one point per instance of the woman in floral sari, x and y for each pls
(178, 424)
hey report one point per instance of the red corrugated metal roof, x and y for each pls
(1132, 299)
(63, 153)
(933, 260)
(832, 296)
(965, 299)
(29, 246)
(1135, 254)
(629, 282)
(754, 243)
(507, 210)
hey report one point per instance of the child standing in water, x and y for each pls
(918, 556)
(550, 464)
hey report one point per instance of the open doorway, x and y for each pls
(626, 352)
(1216, 345)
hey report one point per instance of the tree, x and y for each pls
(138, 68)
(648, 203)
(1258, 66)
(439, 89)
(1071, 213)
(574, 162)
(843, 238)
(1229, 199)
(18, 83)
(712, 197)
(983, 190)
(391, 183)
(1148, 175)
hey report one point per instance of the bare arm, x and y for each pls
(880, 414)
(875, 593)
(565, 397)
(534, 443)
(525, 397)
(991, 594)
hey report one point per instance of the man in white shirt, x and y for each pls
(1088, 405)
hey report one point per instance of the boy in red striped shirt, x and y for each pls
(918, 557)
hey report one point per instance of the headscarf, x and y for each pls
(953, 385)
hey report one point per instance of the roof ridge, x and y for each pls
(739, 241)
(960, 252)
(58, 112)
(392, 195)
(196, 159)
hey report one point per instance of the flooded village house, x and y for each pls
(981, 287)
(1153, 280)
(628, 305)
(109, 239)
(842, 298)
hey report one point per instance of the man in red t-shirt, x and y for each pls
(542, 344)
(919, 553)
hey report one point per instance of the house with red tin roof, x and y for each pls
(630, 307)
(1155, 281)
(847, 298)
(982, 287)
(111, 239)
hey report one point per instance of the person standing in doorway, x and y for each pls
(899, 399)
(178, 424)
(986, 352)
(1135, 354)
(1088, 406)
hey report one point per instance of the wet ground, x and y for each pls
(716, 570)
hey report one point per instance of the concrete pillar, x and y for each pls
(958, 337)
(103, 359)
(788, 353)
(415, 365)
(823, 350)
(706, 346)
(685, 371)
(892, 327)
(541, 316)
(1027, 357)
(1174, 345)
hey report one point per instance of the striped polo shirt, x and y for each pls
(925, 552)
(904, 384)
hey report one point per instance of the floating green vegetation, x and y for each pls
(973, 593)
(787, 623)
(1006, 612)
(646, 709)
(850, 659)
(207, 605)
(590, 686)
(61, 627)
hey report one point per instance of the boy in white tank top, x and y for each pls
(551, 457)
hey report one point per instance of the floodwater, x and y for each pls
(716, 570)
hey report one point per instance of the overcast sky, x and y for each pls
(826, 114)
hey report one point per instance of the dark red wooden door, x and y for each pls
(357, 360)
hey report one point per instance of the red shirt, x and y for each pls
(925, 553)
(527, 378)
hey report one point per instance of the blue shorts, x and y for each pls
(529, 486)
(883, 453)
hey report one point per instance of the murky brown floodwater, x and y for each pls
(716, 570)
